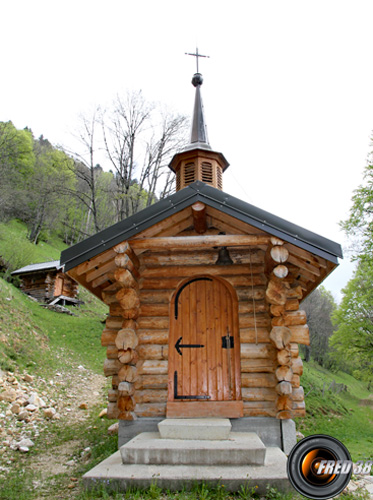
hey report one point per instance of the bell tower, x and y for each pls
(197, 161)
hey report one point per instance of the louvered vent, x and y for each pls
(220, 178)
(189, 173)
(207, 172)
(178, 180)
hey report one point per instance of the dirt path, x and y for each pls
(68, 397)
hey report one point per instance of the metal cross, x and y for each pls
(196, 55)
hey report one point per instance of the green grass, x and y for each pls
(18, 251)
(31, 334)
(337, 414)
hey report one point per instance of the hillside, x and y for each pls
(53, 363)
(339, 405)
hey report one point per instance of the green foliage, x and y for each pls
(247, 492)
(319, 307)
(16, 149)
(353, 340)
(359, 226)
(17, 251)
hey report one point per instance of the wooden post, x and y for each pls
(199, 217)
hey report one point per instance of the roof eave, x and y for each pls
(198, 191)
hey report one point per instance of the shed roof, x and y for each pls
(41, 266)
(199, 191)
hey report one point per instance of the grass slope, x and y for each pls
(18, 251)
(344, 415)
(29, 333)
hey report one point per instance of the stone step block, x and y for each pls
(195, 428)
(242, 448)
(112, 474)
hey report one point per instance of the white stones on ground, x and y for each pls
(25, 444)
(113, 429)
(369, 488)
(34, 399)
(9, 396)
(102, 413)
(80, 367)
(31, 408)
(16, 408)
(23, 415)
(299, 435)
(28, 378)
(49, 413)
(86, 451)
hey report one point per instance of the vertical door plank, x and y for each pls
(185, 359)
(223, 332)
(211, 342)
(230, 352)
(193, 337)
(218, 349)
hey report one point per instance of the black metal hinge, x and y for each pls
(176, 396)
(182, 288)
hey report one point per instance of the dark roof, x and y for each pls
(42, 266)
(199, 191)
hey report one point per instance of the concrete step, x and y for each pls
(113, 474)
(242, 448)
(195, 428)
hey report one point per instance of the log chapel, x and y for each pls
(203, 293)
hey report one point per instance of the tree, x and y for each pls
(46, 187)
(139, 140)
(353, 339)
(85, 168)
(319, 307)
(16, 164)
(359, 225)
(121, 129)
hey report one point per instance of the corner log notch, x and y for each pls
(285, 316)
(120, 335)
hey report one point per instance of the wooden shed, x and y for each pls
(204, 294)
(47, 282)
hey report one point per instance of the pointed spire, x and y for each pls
(199, 136)
(197, 161)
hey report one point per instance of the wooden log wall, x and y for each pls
(41, 285)
(162, 274)
(69, 286)
(38, 285)
(288, 329)
(270, 322)
(120, 335)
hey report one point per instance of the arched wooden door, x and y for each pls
(204, 351)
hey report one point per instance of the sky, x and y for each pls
(287, 88)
